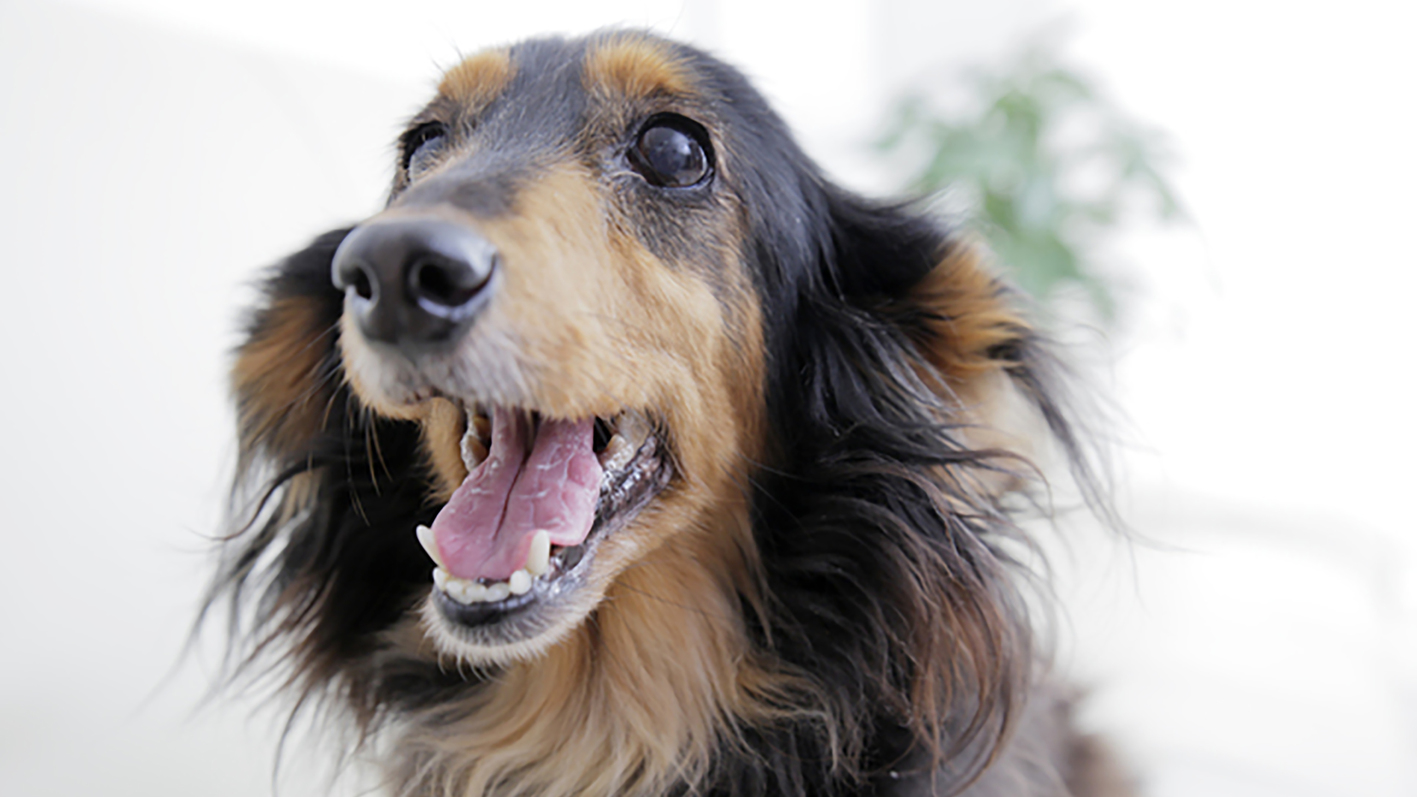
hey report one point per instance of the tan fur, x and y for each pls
(635, 67)
(443, 428)
(478, 80)
(971, 315)
(967, 314)
(276, 377)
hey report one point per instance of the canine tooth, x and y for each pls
(497, 592)
(473, 449)
(538, 559)
(617, 453)
(519, 583)
(430, 545)
(634, 427)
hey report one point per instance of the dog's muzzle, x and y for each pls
(415, 283)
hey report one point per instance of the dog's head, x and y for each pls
(558, 293)
(614, 336)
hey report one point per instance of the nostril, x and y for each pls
(351, 272)
(435, 282)
(444, 287)
(362, 285)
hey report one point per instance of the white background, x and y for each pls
(1264, 642)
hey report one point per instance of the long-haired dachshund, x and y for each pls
(624, 454)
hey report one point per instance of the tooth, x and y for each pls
(519, 583)
(440, 578)
(633, 427)
(473, 450)
(538, 559)
(457, 589)
(430, 545)
(475, 592)
(483, 427)
(498, 592)
(617, 453)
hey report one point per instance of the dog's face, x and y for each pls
(557, 292)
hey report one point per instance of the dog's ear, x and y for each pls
(994, 364)
(988, 362)
(885, 542)
(963, 319)
(326, 495)
(931, 283)
(287, 370)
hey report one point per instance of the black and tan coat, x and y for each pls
(806, 592)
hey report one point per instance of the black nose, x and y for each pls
(413, 281)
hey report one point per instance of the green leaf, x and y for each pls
(1010, 154)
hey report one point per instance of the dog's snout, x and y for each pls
(414, 281)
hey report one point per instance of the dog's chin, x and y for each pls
(520, 635)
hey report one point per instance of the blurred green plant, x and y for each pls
(1044, 166)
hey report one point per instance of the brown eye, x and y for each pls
(421, 145)
(672, 152)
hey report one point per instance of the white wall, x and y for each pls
(1272, 648)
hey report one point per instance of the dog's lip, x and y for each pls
(628, 485)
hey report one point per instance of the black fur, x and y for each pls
(845, 519)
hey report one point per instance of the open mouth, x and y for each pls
(539, 497)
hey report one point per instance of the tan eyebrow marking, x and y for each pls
(479, 79)
(636, 67)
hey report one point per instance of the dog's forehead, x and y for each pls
(543, 89)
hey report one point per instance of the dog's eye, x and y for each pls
(421, 145)
(672, 152)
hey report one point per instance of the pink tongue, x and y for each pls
(524, 485)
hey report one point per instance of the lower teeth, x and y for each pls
(469, 592)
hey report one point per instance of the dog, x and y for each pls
(623, 453)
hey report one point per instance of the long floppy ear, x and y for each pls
(987, 359)
(1002, 372)
(883, 529)
(287, 371)
(325, 498)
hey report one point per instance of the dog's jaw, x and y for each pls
(524, 589)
